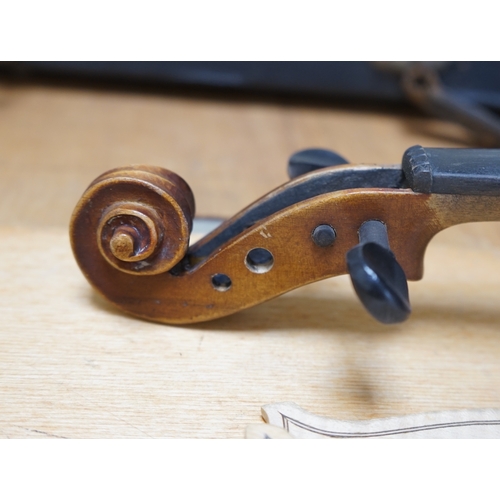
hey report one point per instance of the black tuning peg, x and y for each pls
(377, 277)
(307, 160)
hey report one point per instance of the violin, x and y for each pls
(130, 233)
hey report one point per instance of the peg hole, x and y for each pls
(259, 260)
(221, 282)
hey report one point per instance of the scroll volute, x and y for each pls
(137, 218)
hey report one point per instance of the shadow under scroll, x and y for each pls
(296, 312)
(346, 315)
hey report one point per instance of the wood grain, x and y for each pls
(73, 366)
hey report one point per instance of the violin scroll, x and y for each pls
(130, 233)
(138, 218)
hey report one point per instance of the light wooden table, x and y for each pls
(73, 366)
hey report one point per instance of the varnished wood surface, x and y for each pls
(73, 366)
(188, 296)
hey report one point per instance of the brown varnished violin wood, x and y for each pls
(188, 296)
(385, 176)
(146, 212)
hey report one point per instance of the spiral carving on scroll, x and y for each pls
(141, 217)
